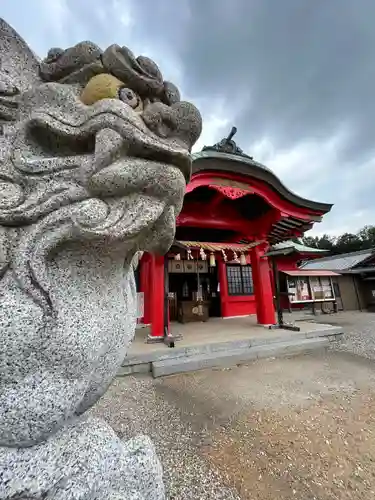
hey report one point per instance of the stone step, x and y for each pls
(234, 357)
(268, 338)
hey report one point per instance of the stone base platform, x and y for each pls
(223, 343)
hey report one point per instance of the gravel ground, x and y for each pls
(359, 328)
(297, 428)
(135, 405)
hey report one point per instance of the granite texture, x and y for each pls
(84, 189)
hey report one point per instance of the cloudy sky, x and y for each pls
(297, 78)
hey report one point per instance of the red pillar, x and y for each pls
(222, 274)
(157, 296)
(262, 287)
(144, 278)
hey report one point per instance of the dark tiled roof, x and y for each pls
(343, 262)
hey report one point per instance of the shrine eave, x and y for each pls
(288, 247)
(244, 165)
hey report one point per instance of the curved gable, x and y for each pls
(235, 197)
(211, 160)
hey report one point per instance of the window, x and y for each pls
(240, 280)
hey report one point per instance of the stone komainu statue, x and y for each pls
(95, 154)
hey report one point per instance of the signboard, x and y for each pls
(299, 288)
(190, 266)
(327, 288)
(202, 266)
(187, 266)
(309, 289)
(316, 289)
(175, 266)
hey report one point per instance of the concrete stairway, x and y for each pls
(225, 354)
(234, 357)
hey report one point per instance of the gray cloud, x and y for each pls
(296, 77)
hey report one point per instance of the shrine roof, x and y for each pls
(227, 156)
(292, 246)
(341, 262)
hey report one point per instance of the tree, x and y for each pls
(367, 236)
(348, 242)
(311, 241)
(324, 242)
(345, 243)
(327, 242)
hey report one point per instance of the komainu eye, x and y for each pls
(129, 97)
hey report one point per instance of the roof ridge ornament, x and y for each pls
(227, 145)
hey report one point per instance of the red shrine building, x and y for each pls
(234, 211)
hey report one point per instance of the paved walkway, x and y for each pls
(218, 330)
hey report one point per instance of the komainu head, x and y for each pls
(95, 145)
